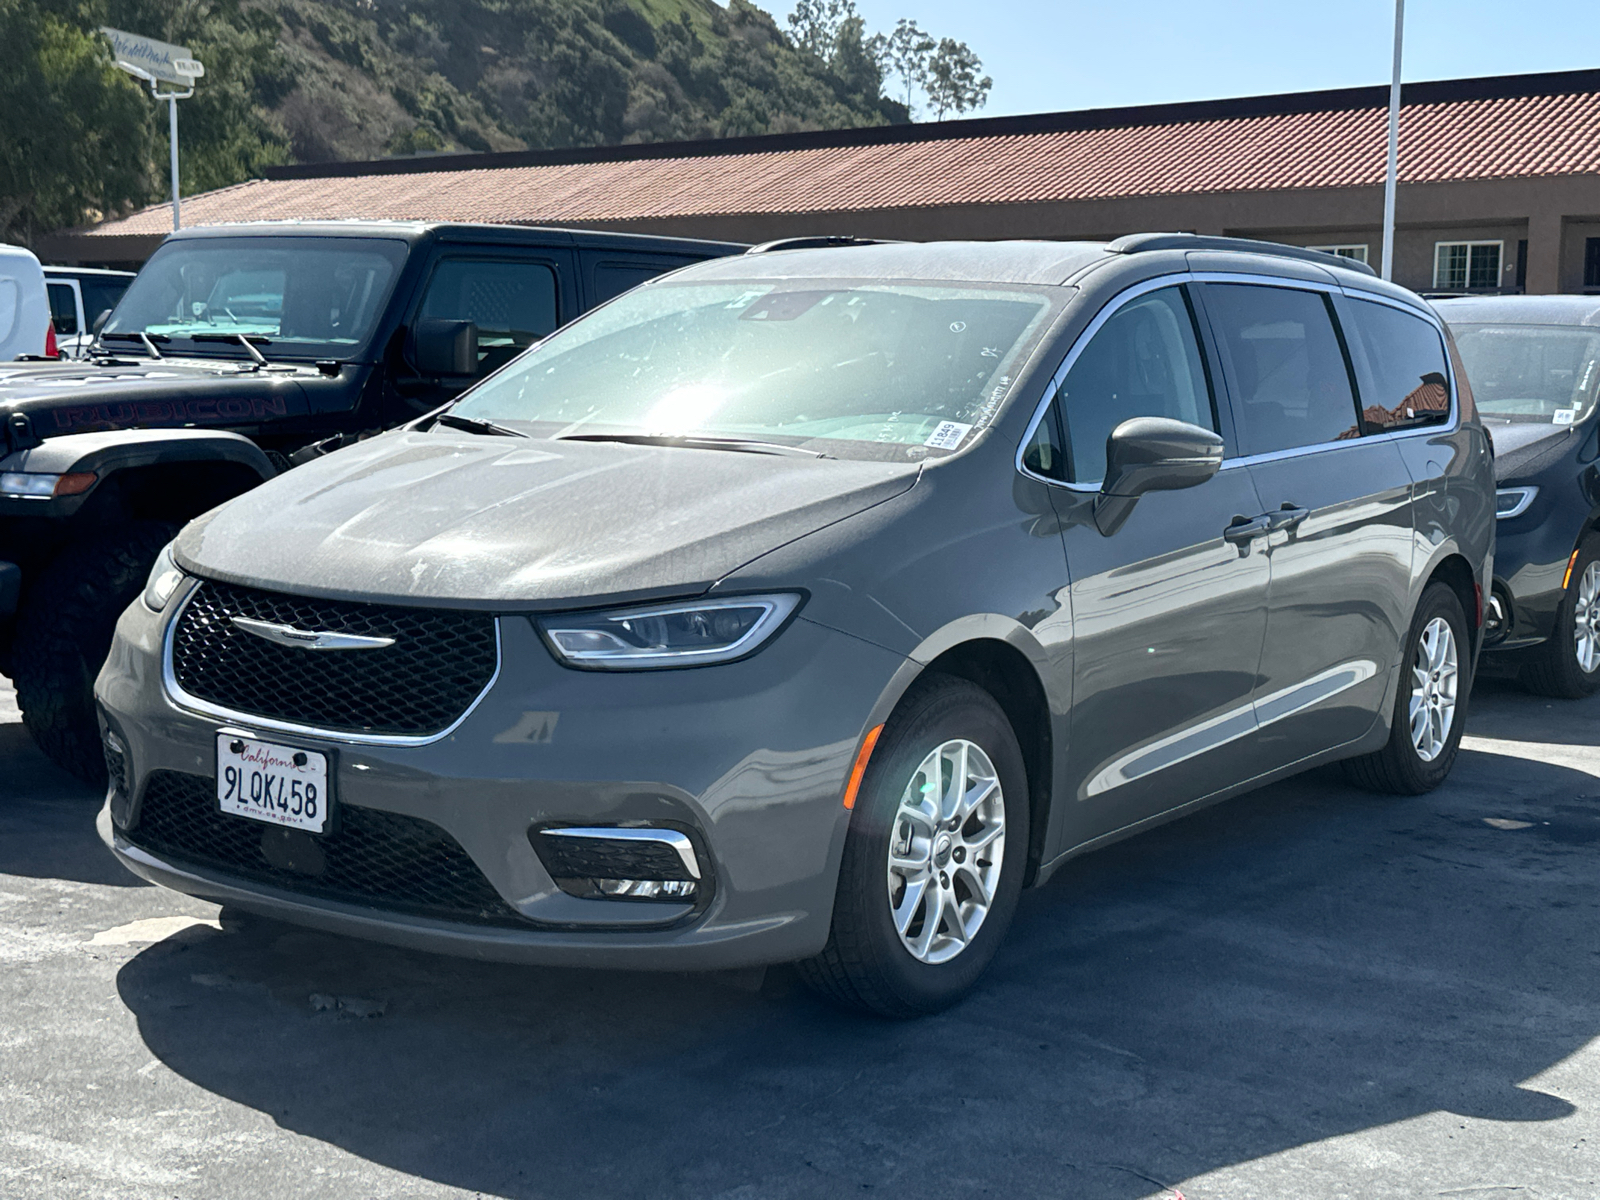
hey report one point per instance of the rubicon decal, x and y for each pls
(146, 412)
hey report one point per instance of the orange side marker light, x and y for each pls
(1567, 578)
(860, 769)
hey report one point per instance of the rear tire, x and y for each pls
(1556, 668)
(63, 634)
(1424, 736)
(931, 952)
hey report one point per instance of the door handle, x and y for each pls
(1243, 529)
(1287, 517)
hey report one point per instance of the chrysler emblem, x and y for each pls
(307, 639)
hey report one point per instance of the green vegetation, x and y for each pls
(321, 80)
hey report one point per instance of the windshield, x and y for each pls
(305, 297)
(862, 370)
(1532, 373)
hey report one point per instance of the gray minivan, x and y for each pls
(806, 605)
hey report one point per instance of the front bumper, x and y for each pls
(752, 757)
(1530, 562)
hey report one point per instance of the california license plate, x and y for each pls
(282, 785)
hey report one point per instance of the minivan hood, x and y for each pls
(1525, 447)
(489, 522)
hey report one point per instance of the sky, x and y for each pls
(1048, 56)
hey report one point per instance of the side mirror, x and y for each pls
(441, 347)
(1152, 454)
(100, 321)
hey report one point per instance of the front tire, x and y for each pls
(933, 863)
(1567, 666)
(64, 633)
(1430, 706)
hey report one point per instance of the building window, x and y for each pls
(1355, 250)
(1591, 262)
(1466, 266)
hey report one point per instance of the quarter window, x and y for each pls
(1410, 383)
(1466, 266)
(1144, 362)
(512, 304)
(63, 308)
(1288, 372)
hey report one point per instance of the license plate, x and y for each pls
(282, 785)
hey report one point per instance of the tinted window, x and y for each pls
(1405, 358)
(1144, 362)
(63, 308)
(1290, 380)
(612, 279)
(513, 304)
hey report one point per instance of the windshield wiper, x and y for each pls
(147, 340)
(476, 425)
(739, 445)
(247, 340)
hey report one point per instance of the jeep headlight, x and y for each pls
(164, 580)
(689, 634)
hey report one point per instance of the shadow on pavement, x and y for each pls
(1301, 963)
(47, 819)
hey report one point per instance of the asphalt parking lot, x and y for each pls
(1308, 992)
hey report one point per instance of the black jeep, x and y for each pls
(236, 352)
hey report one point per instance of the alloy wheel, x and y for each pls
(1435, 672)
(1587, 616)
(945, 851)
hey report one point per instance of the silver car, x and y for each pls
(807, 605)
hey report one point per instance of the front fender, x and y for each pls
(104, 454)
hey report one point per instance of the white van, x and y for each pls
(24, 306)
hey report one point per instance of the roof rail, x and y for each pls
(1133, 243)
(817, 242)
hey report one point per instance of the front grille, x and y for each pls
(384, 859)
(440, 662)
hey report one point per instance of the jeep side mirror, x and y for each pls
(100, 321)
(1152, 454)
(440, 347)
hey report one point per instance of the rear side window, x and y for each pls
(1144, 362)
(613, 278)
(513, 304)
(99, 295)
(1288, 372)
(1410, 385)
(63, 308)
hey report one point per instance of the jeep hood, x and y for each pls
(490, 522)
(85, 397)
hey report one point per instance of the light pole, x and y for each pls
(1391, 174)
(157, 63)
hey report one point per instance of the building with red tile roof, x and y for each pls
(1500, 182)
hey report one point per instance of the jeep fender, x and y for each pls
(104, 454)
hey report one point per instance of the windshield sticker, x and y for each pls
(1563, 416)
(948, 436)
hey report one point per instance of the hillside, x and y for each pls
(362, 78)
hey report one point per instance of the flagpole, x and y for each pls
(1392, 171)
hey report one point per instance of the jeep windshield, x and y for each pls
(883, 370)
(1539, 374)
(302, 297)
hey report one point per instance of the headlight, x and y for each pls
(1513, 502)
(164, 580)
(26, 485)
(667, 635)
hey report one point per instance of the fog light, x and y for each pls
(646, 889)
(620, 863)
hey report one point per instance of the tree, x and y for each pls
(951, 79)
(904, 53)
(77, 139)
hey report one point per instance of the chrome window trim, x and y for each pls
(204, 708)
(1178, 277)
